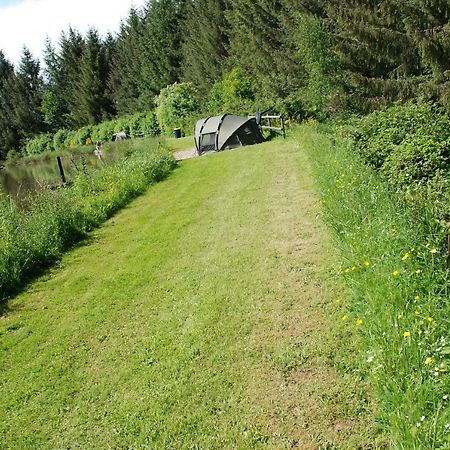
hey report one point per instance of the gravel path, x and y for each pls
(185, 154)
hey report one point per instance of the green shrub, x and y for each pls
(39, 144)
(59, 139)
(149, 124)
(83, 134)
(233, 94)
(71, 140)
(410, 147)
(174, 104)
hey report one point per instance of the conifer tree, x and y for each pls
(9, 135)
(66, 72)
(25, 90)
(261, 43)
(161, 51)
(205, 44)
(92, 103)
(125, 76)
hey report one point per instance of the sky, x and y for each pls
(28, 22)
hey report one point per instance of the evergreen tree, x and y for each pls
(25, 90)
(92, 103)
(54, 107)
(263, 45)
(9, 135)
(205, 45)
(161, 51)
(66, 73)
(126, 65)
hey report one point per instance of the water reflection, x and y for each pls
(22, 179)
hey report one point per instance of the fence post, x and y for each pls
(61, 169)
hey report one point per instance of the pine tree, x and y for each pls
(9, 135)
(54, 107)
(205, 45)
(126, 65)
(66, 71)
(161, 51)
(92, 104)
(262, 44)
(26, 96)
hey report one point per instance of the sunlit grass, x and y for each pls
(34, 234)
(198, 317)
(394, 263)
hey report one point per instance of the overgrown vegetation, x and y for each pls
(409, 145)
(393, 260)
(34, 237)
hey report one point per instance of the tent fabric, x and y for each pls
(226, 131)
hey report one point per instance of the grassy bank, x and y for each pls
(201, 316)
(393, 261)
(34, 237)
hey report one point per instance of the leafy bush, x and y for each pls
(149, 124)
(39, 144)
(410, 147)
(58, 139)
(233, 94)
(83, 134)
(174, 104)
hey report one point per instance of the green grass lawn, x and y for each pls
(201, 316)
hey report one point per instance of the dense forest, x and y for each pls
(315, 58)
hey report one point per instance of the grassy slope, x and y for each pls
(201, 316)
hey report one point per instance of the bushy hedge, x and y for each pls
(233, 94)
(136, 125)
(176, 104)
(35, 238)
(39, 144)
(409, 145)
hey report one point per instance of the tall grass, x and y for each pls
(34, 237)
(393, 261)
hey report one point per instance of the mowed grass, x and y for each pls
(201, 316)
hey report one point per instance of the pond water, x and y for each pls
(22, 179)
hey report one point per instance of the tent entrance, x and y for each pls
(208, 142)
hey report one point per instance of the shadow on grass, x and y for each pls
(43, 271)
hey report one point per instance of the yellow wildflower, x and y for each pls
(367, 263)
(359, 322)
(396, 273)
(406, 256)
(418, 271)
(344, 317)
(406, 334)
(429, 361)
(338, 300)
(430, 319)
(433, 251)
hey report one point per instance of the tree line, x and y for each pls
(303, 57)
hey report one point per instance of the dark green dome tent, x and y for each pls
(227, 131)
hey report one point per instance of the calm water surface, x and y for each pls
(22, 179)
